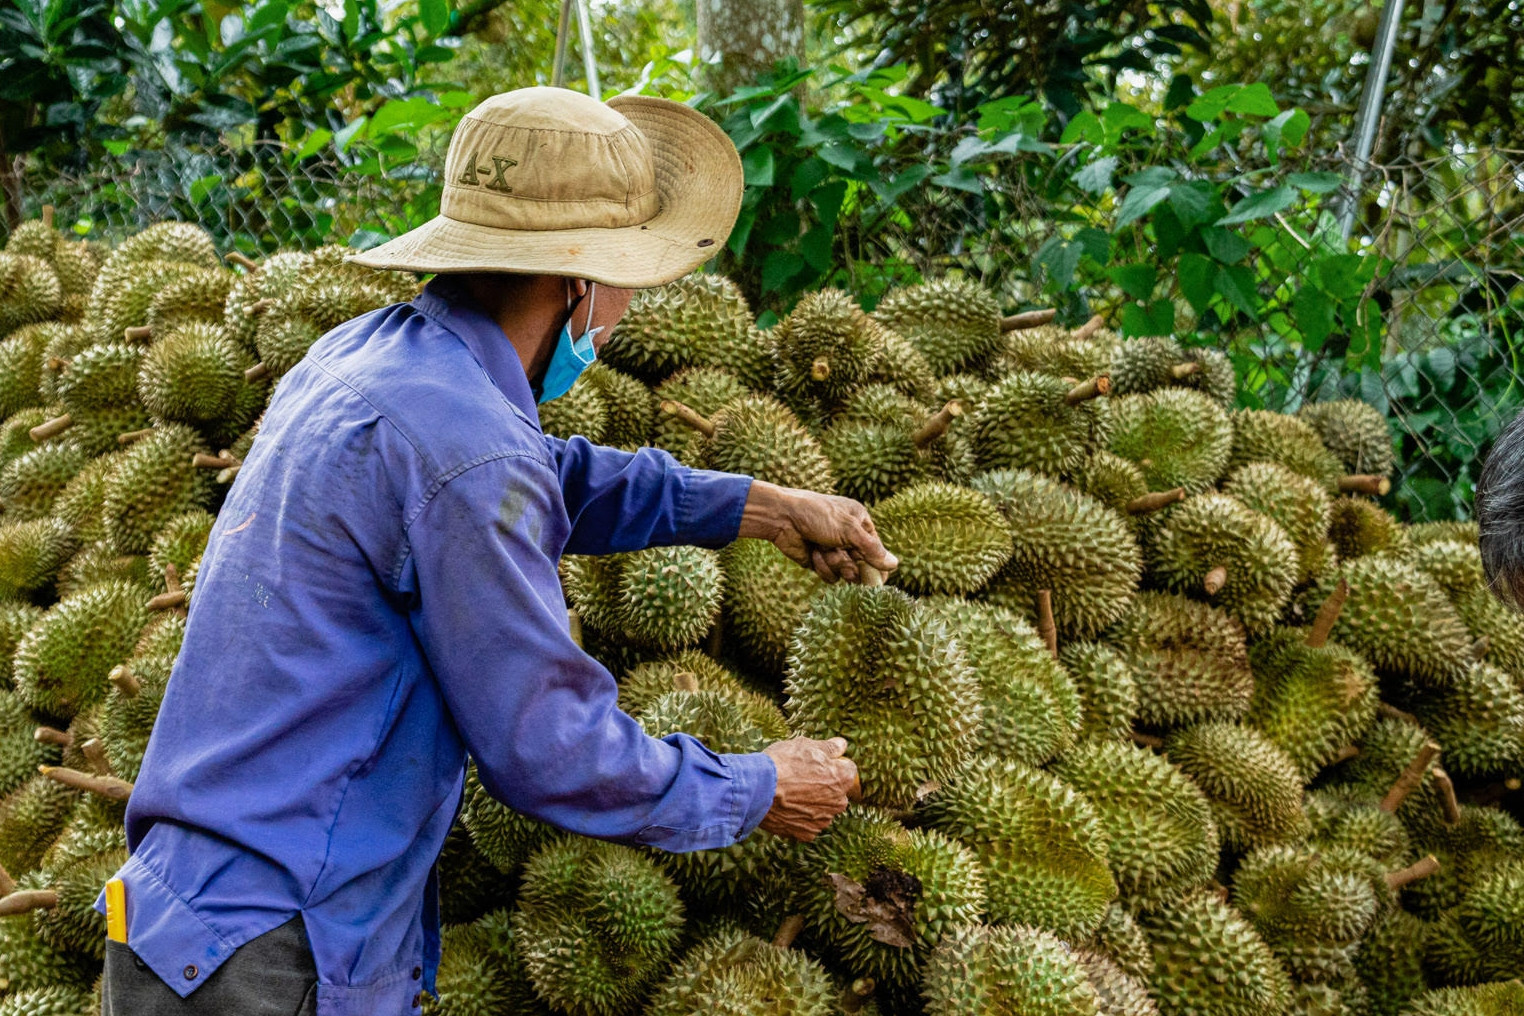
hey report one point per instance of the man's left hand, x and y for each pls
(833, 535)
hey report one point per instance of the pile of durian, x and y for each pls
(1161, 713)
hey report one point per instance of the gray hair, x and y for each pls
(1500, 514)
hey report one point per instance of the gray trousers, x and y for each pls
(272, 975)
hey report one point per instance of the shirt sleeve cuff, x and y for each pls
(755, 779)
(709, 510)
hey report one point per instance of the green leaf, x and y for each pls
(816, 247)
(839, 156)
(960, 178)
(778, 267)
(1119, 117)
(1235, 283)
(1260, 205)
(1059, 259)
(312, 144)
(1212, 103)
(757, 165)
(1169, 234)
(344, 135)
(1253, 100)
(1290, 127)
(1316, 183)
(741, 231)
(435, 15)
(1441, 367)
(1313, 312)
(1224, 244)
(1137, 203)
(1085, 126)
(1157, 318)
(1137, 281)
(1193, 202)
(1339, 275)
(1197, 273)
(117, 147)
(1095, 243)
(1153, 176)
(1094, 177)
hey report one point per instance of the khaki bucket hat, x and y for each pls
(633, 193)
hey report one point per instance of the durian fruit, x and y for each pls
(1356, 432)
(16, 619)
(1065, 542)
(179, 545)
(1311, 700)
(29, 964)
(1178, 437)
(1399, 619)
(1497, 629)
(1212, 545)
(1215, 378)
(1490, 918)
(15, 432)
(1260, 435)
(1031, 708)
(1298, 505)
(1085, 352)
(1208, 959)
(1040, 422)
(31, 554)
(880, 897)
(132, 704)
(1116, 482)
(731, 973)
(118, 305)
(758, 437)
(154, 482)
(480, 972)
(194, 298)
(949, 539)
(193, 373)
(1254, 787)
(1189, 660)
(1358, 528)
(64, 894)
(63, 661)
(1161, 839)
(662, 598)
(689, 670)
(31, 817)
(1117, 992)
(20, 752)
(699, 320)
(1453, 530)
(31, 482)
(581, 412)
(874, 666)
(826, 348)
(1479, 719)
(29, 290)
(1142, 364)
(901, 367)
(1108, 692)
(705, 390)
(1120, 940)
(506, 838)
(21, 358)
(98, 390)
(1344, 819)
(1456, 566)
(1040, 845)
(1502, 998)
(766, 597)
(315, 304)
(994, 971)
(1390, 961)
(953, 323)
(470, 886)
(875, 454)
(50, 1001)
(595, 925)
(254, 292)
(630, 407)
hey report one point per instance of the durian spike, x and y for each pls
(1089, 328)
(7, 884)
(105, 786)
(686, 681)
(1390, 712)
(1146, 740)
(52, 735)
(201, 460)
(125, 680)
(95, 754)
(47, 216)
(1412, 873)
(226, 476)
(27, 901)
(1046, 627)
(1156, 500)
(52, 428)
(789, 930)
(1411, 777)
(1328, 616)
(133, 436)
(1371, 486)
(1215, 580)
(1087, 390)
(1027, 319)
(574, 625)
(689, 416)
(1344, 754)
(1181, 371)
(820, 370)
(1447, 802)
(867, 575)
(138, 333)
(257, 372)
(258, 307)
(937, 424)
(57, 363)
(241, 260)
(858, 994)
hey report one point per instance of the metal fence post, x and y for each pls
(1369, 114)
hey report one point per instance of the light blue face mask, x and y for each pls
(572, 356)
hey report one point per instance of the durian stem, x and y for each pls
(1344, 754)
(937, 424)
(689, 416)
(52, 428)
(105, 786)
(1371, 486)
(1154, 501)
(52, 735)
(857, 995)
(57, 363)
(227, 475)
(1479, 648)
(138, 333)
(47, 216)
(1411, 777)
(1447, 802)
(574, 624)
(125, 680)
(168, 601)
(867, 575)
(258, 372)
(133, 436)
(241, 260)
(789, 930)
(1087, 390)
(27, 901)
(1412, 873)
(201, 460)
(7, 884)
(1047, 628)
(716, 645)
(95, 754)
(1215, 580)
(1089, 328)
(1328, 616)
(1181, 371)
(1027, 319)
(1146, 740)
(685, 681)
(820, 370)
(258, 307)
(1390, 712)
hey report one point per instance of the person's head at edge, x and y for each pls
(1500, 514)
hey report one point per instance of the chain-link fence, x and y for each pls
(1441, 240)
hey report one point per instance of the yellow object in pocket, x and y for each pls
(116, 911)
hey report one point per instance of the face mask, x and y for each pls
(572, 356)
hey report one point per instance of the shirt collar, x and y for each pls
(447, 302)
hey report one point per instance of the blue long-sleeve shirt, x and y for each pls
(379, 597)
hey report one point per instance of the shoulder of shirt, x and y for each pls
(420, 377)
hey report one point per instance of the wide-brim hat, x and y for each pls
(635, 192)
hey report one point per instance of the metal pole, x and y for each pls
(589, 63)
(558, 66)
(1371, 97)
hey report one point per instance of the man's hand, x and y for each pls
(814, 785)
(830, 534)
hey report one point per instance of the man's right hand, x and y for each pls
(815, 784)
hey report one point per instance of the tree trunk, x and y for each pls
(741, 39)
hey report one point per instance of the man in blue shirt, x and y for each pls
(380, 595)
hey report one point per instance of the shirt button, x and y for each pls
(191, 972)
(417, 973)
